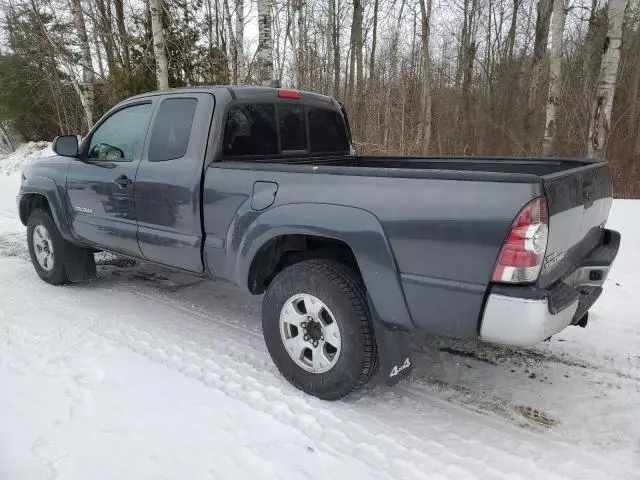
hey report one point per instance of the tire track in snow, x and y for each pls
(240, 367)
(204, 364)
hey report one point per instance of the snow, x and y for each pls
(146, 373)
(11, 163)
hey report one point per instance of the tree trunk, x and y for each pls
(334, 7)
(265, 42)
(511, 37)
(469, 49)
(240, 60)
(393, 62)
(159, 49)
(535, 74)
(555, 74)
(470, 56)
(232, 41)
(104, 27)
(357, 7)
(356, 33)
(96, 42)
(122, 33)
(425, 10)
(86, 89)
(600, 121)
(374, 40)
(300, 52)
(6, 137)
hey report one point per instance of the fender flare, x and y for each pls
(46, 187)
(358, 228)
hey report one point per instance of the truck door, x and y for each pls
(100, 184)
(169, 181)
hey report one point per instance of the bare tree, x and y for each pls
(535, 73)
(555, 72)
(334, 29)
(232, 40)
(374, 39)
(159, 47)
(425, 132)
(355, 60)
(122, 33)
(511, 38)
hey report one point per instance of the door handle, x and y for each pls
(123, 181)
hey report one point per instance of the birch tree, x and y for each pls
(86, 88)
(600, 121)
(159, 46)
(240, 60)
(265, 42)
(559, 17)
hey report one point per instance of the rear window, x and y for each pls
(327, 131)
(251, 130)
(171, 129)
(293, 130)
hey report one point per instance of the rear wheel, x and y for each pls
(317, 327)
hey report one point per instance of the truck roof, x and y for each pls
(240, 92)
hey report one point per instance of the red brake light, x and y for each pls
(289, 94)
(522, 253)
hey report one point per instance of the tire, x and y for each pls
(342, 295)
(42, 230)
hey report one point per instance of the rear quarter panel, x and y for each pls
(444, 235)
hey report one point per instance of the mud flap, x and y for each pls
(79, 264)
(394, 351)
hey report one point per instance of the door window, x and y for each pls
(121, 136)
(171, 129)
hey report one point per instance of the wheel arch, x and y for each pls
(351, 235)
(42, 192)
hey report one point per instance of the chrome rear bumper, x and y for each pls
(521, 321)
(526, 315)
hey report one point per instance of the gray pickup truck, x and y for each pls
(261, 186)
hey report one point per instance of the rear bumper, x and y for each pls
(524, 316)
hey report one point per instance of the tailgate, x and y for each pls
(579, 201)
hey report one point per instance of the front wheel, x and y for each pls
(317, 327)
(45, 247)
(56, 260)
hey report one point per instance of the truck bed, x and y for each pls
(445, 218)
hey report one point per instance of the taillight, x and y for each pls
(521, 256)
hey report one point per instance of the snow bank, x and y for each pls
(11, 163)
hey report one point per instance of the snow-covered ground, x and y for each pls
(149, 374)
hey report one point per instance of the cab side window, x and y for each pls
(121, 136)
(171, 129)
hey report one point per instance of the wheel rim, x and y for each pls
(43, 247)
(310, 333)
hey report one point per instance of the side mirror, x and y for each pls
(66, 145)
